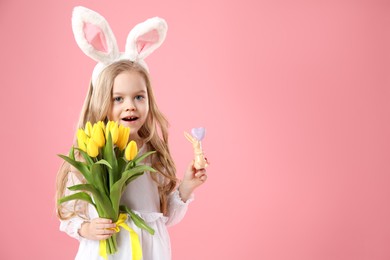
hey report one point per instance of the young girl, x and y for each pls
(121, 91)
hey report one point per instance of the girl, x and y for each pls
(121, 91)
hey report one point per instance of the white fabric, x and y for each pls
(141, 195)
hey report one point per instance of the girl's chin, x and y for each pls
(128, 123)
(133, 125)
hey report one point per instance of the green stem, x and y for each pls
(111, 245)
(114, 237)
(138, 221)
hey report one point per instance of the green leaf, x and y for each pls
(133, 163)
(97, 173)
(130, 165)
(102, 202)
(109, 156)
(138, 221)
(71, 153)
(117, 187)
(81, 167)
(86, 157)
(104, 162)
(143, 156)
(132, 178)
(98, 176)
(121, 164)
(77, 196)
(85, 187)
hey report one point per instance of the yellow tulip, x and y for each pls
(108, 126)
(114, 133)
(101, 123)
(126, 136)
(98, 135)
(112, 128)
(88, 129)
(82, 140)
(131, 151)
(120, 135)
(123, 137)
(92, 148)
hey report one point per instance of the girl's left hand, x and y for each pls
(192, 179)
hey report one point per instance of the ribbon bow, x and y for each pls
(135, 245)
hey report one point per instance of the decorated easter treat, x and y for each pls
(197, 135)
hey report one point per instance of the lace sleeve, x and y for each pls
(74, 211)
(177, 208)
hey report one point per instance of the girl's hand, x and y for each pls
(192, 179)
(97, 229)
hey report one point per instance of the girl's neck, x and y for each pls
(138, 140)
(140, 143)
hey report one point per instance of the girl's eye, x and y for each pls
(118, 99)
(139, 97)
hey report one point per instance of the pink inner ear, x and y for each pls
(95, 37)
(146, 40)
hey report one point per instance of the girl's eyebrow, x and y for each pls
(121, 94)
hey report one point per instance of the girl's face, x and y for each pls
(130, 105)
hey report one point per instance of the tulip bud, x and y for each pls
(127, 136)
(114, 132)
(101, 123)
(107, 131)
(92, 148)
(88, 129)
(98, 135)
(123, 137)
(131, 151)
(120, 137)
(112, 128)
(82, 140)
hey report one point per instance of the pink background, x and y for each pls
(294, 96)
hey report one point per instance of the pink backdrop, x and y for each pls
(294, 96)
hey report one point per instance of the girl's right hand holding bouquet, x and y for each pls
(97, 229)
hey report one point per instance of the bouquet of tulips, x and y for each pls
(108, 163)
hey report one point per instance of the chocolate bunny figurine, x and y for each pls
(200, 162)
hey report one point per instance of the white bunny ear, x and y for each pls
(145, 37)
(94, 35)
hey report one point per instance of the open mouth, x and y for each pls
(130, 118)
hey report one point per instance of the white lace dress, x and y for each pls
(141, 195)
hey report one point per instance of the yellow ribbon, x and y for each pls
(135, 245)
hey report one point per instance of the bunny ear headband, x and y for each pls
(96, 39)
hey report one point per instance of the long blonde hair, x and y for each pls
(154, 133)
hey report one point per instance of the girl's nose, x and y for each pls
(129, 106)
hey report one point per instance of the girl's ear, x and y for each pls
(145, 37)
(94, 35)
